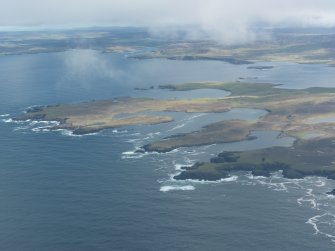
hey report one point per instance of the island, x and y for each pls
(306, 114)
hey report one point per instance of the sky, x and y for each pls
(226, 20)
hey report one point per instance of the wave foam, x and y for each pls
(20, 128)
(66, 132)
(44, 122)
(316, 219)
(34, 125)
(173, 151)
(186, 121)
(153, 134)
(313, 196)
(176, 188)
(309, 198)
(177, 127)
(4, 115)
(228, 179)
(7, 120)
(134, 154)
(231, 178)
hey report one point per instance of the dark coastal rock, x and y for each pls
(331, 176)
(332, 192)
(225, 157)
(83, 131)
(275, 166)
(208, 176)
(217, 160)
(193, 167)
(230, 164)
(177, 135)
(265, 169)
(151, 148)
(34, 109)
(261, 172)
(293, 174)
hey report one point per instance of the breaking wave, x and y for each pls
(8, 120)
(176, 188)
(312, 192)
(177, 127)
(42, 126)
(185, 122)
(135, 154)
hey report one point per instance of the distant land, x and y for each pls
(307, 115)
(289, 45)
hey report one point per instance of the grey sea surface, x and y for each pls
(95, 192)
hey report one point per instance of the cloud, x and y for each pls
(225, 20)
(86, 67)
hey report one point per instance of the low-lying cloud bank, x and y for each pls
(224, 20)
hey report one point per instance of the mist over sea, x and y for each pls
(64, 192)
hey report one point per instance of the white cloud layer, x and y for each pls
(227, 20)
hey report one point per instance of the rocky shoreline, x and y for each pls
(289, 113)
(256, 170)
(304, 158)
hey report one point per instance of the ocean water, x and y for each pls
(65, 192)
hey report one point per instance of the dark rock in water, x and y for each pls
(332, 192)
(293, 174)
(151, 148)
(260, 172)
(217, 160)
(83, 131)
(209, 176)
(34, 109)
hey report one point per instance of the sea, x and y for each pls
(59, 191)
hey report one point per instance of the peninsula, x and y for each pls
(307, 115)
